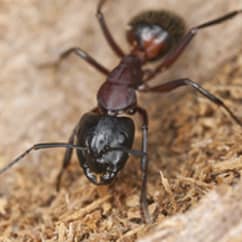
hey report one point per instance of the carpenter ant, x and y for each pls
(102, 138)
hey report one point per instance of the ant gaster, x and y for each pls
(102, 138)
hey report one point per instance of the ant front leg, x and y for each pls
(176, 52)
(107, 34)
(144, 166)
(171, 85)
(69, 151)
(67, 158)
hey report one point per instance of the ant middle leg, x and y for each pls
(176, 52)
(107, 34)
(171, 85)
(83, 55)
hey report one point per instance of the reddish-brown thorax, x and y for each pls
(118, 91)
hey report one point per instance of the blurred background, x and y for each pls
(43, 104)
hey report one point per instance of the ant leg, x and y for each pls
(39, 147)
(83, 55)
(68, 153)
(107, 34)
(171, 85)
(175, 53)
(67, 158)
(144, 166)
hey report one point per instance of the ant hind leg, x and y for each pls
(107, 34)
(176, 52)
(171, 85)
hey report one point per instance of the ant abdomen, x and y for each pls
(155, 32)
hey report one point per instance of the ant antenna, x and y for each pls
(39, 147)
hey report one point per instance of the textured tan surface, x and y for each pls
(217, 218)
(39, 105)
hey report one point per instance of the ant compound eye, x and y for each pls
(121, 138)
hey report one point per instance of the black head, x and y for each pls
(155, 32)
(101, 133)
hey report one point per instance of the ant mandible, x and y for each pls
(102, 138)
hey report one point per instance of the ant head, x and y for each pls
(154, 33)
(107, 138)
